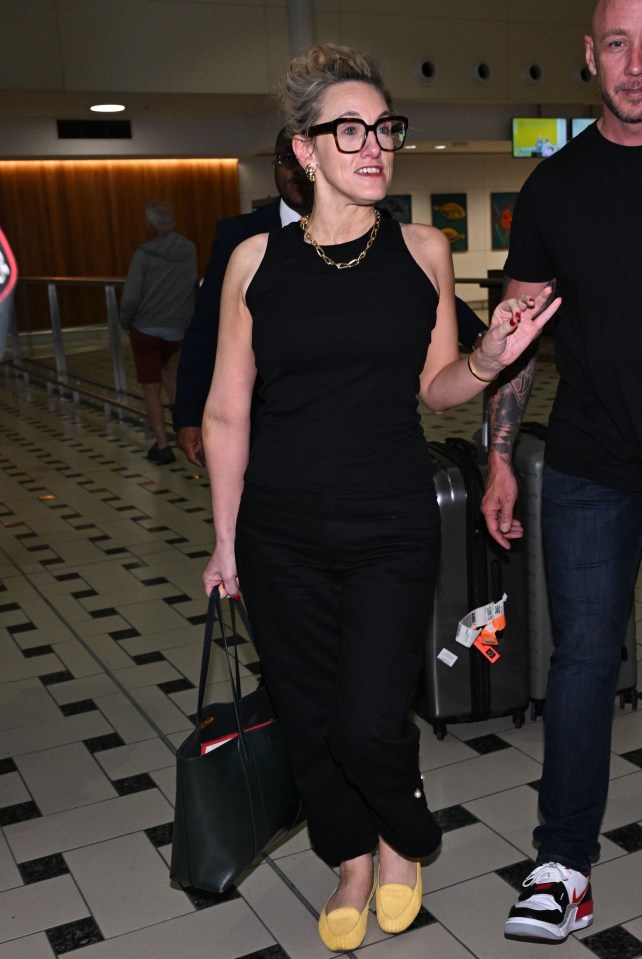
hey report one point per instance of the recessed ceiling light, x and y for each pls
(107, 107)
(440, 146)
(410, 146)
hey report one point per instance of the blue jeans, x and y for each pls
(593, 546)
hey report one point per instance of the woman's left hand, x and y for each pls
(515, 324)
(220, 573)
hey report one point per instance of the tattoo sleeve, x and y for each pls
(507, 403)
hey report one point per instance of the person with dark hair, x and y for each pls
(199, 348)
(156, 305)
(328, 520)
(592, 483)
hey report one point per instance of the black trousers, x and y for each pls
(339, 591)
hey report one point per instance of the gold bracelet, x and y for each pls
(476, 375)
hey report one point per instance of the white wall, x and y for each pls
(199, 75)
(242, 46)
(477, 177)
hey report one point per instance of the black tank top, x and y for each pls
(339, 353)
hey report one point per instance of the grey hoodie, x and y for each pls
(160, 288)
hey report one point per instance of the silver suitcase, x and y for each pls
(474, 570)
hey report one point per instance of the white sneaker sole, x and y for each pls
(544, 931)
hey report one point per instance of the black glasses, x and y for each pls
(350, 133)
(287, 159)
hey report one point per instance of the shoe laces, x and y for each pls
(547, 872)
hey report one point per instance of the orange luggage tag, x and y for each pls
(486, 618)
(478, 629)
(489, 652)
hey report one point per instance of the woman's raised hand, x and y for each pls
(515, 324)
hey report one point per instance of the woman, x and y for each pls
(331, 514)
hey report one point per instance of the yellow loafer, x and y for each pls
(344, 929)
(398, 904)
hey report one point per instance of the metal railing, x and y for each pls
(61, 343)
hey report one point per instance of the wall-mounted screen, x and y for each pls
(538, 136)
(580, 123)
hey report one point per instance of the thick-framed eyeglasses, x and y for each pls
(287, 159)
(350, 133)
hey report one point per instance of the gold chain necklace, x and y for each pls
(324, 256)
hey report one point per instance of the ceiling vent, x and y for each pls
(94, 129)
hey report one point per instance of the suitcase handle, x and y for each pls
(464, 446)
(535, 429)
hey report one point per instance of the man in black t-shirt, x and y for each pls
(578, 221)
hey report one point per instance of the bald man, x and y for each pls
(578, 220)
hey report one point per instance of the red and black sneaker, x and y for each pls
(556, 901)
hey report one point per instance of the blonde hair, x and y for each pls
(312, 73)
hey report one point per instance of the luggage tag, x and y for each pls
(478, 627)
(489, 652)
(445, 656)
(488, 635)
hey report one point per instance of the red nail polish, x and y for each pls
(513, 322)
(517, 314)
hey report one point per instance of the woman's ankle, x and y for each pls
(356, 880)
(395, 868)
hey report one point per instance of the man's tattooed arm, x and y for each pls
(506, 407)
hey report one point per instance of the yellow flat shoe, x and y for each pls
(344, 929)
(398, 904)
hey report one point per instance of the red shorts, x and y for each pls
(151, 354)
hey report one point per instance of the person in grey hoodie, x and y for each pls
(156, 307)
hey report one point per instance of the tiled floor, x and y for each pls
(101, 614)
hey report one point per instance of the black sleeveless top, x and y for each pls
(339, 353)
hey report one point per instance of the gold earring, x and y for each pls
(309, 172)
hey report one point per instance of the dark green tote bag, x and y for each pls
(237, 798)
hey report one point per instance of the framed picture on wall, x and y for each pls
(450, 215)
(501, 218)
(398, 205)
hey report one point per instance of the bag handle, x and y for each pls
(236, 606)
(214, 613)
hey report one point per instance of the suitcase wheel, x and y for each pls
(439, 730)
(518, 718)
(537, 708)
(629, 696)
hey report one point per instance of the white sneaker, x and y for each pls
(556, 901)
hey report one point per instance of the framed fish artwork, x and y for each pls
(398, 205)
(450, 215)
(501, 218)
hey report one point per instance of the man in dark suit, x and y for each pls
(199, 347)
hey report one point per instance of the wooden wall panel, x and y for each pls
(85, 217)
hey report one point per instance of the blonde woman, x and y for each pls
(328, 521)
